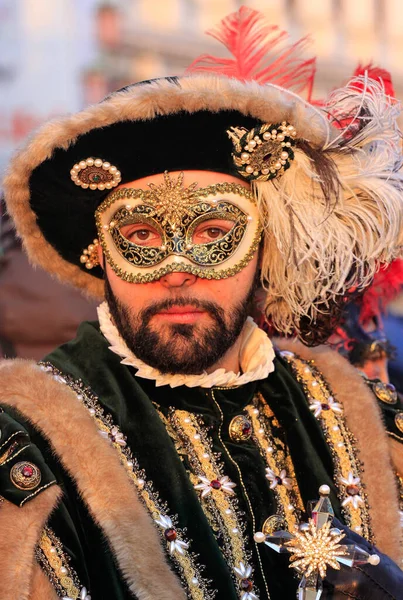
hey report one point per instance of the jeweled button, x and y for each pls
(386, 392)
(240, 429)
(352, 490)
(273, 523)
(25, 475)
(215, 484)
(399, 421)
(170, 534)
(246, 585)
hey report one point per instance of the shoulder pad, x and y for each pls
(23, 470)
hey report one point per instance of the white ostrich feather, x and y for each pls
(316, 247)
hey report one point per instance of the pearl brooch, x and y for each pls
(95, 174)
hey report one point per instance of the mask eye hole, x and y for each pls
(142, 234)
(211, 230)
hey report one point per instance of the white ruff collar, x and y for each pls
(255, 356)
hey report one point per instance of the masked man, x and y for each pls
(151, 456)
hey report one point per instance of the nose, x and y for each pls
(177, 280)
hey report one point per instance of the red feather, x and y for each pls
(260, 53)
(387, 284)
(378, 74)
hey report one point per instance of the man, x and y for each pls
(151, 456)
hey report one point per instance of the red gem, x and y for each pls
(352, 490)
(325, 406)
(279, 480)
(215, 484)
(246, 428)
(170, 534)
(27, 471)
(246, 585)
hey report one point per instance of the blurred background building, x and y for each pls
(56, 56)
(59, 55)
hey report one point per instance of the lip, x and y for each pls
(181, 314)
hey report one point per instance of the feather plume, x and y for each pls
(322, 240)
(378, 74)
(260, 52)
(387, 285)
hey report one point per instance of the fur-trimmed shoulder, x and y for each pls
(74, 437)
(20, 531)
(364, 419)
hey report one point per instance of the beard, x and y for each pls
(180, 348)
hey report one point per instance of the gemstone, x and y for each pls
(246, 429)
(246, 585)
(27, 471)
(353, 556)
(277, 540)
(325, 406)
(322, 512)
(215, 484)
(170, 534)
(352, 490)
(96, 178)
(279, 480)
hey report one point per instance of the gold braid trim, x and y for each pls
(219, 506)
(347, 466)
(272, 450)
(55, 562)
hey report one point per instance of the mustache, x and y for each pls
(211, 307)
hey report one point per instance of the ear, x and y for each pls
(100, 256)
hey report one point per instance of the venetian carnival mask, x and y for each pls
(212, 232)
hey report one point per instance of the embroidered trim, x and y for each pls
(278, 461)
(347, 466)
(216, 491)
(198, 587)
(20, 432)
(36, 492)
(399, 479)
(56, 565)
(262, 356)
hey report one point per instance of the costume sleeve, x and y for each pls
(23, 470)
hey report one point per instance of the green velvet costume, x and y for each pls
(140, 409)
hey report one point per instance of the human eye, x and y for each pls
(141, 234)
(212, 230)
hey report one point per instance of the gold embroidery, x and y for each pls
(218, 502)
(347, 467)
(288, 499)
(55, 563)
(190, 573)
(243, 488)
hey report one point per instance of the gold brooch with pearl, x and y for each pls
(95, 174)
(89, 256)
(264, 152)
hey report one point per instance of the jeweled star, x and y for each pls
(315, 549)
(172, 201)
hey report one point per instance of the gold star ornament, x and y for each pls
(172, 201)
(315, 549)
